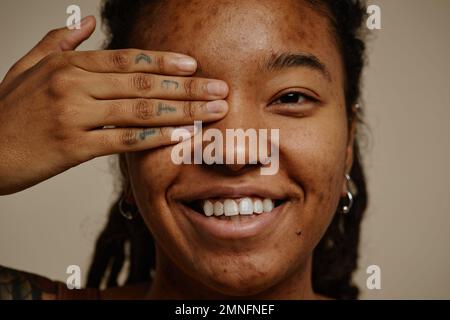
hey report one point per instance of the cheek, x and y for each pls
(151, 173)
(314, 158)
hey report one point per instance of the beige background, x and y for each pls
(53, 225)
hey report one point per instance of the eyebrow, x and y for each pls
(289, 60)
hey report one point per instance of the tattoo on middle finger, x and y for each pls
(166, 84)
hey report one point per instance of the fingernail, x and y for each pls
(217, 88)
(186, 64)
(217, 106)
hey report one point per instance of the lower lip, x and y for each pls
(247, 227)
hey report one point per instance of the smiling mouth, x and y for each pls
(234, 208)
(219, 213)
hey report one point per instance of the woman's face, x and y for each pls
(235, 41)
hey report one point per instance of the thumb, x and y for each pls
(55, 41)
(64, 39)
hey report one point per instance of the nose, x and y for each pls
(239, 129)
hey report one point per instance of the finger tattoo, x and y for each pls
(166, 84)
(142, 57)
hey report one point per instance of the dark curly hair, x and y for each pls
(335, 257)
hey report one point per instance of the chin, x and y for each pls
(241, 276)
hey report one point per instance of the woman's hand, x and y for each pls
(55, 103)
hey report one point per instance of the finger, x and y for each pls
(57, 40)
(118, 140)
(152, 112)
(142, 85)
(133, 60)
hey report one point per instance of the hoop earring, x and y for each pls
(126, 210)
(350, 185)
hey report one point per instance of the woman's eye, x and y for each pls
(294, 103)
(291, 98)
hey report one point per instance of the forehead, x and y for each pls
(232, 35)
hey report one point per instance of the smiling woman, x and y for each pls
(217, 229)
(305, 245)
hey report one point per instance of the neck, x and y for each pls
(172, 283)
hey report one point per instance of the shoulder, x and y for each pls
(20, 285)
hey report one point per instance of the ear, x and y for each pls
(349, 154)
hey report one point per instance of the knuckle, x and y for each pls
(120, 60)
(84, 154)
(73, 148)
(143, 109)
(60, 81)
(56, 89)
(115, 110)
(189, 109)
(142, 81)
(52, 34)
(160, 63)
(47, 43)
(190, 86)
(115, 82)
(105, 142)
(128, 137)
(65, 114)
(62, 135)
(53, 61)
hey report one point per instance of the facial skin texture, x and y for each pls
(231, 40)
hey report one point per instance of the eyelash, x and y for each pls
(306, 98)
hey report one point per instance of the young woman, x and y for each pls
(291, 65)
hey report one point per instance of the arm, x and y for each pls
(19, 285)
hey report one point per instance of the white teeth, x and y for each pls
(208, 208)
(267, 205)
(218, 208)
(234, 207)
(230, 208)
(258, 206)
(246, 206)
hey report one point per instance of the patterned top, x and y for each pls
(19, 285)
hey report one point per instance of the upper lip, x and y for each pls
(232, 192)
